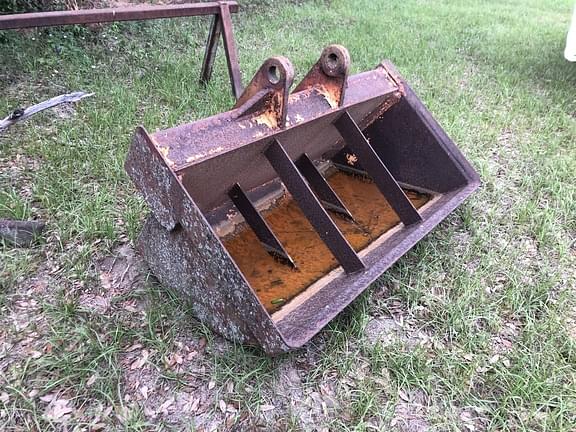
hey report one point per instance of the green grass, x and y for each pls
(486, 302)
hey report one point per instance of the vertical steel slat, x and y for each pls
(320, 186)
(312, 209)
(374, 166)
(258, 224)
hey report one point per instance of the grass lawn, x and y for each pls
(473, 329)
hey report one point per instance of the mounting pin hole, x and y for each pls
(332, 61)
(273, 75)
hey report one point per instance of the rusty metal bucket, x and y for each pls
(271, 218)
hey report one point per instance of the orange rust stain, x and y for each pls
(165, 151)
(268, 118)
(331, 93)
(276, 283)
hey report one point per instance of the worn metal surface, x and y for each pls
(222, 24)
(329, 75)
(233, 142)
(266, 97)
(186, 255)
(191, 174)
(230, 50)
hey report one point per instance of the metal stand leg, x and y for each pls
(231, 53)
(222, 24)
(211, 48)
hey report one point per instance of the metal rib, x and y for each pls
(312, 208)
(258, 225)
(320, 186)
(374, 166)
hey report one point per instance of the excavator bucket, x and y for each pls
(271, 218)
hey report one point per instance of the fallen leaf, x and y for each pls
(195, 404)
(202, 344)
(134, 347)
(91, 380)
(106, 281)
(494, 359)
(222, 406)
(149, 412)
(122, 413)
(58, 409)
(48, 397)
(131, 308)
(230, 420)
(174, 359)
(211, 385)
(140, 361)
(144, 391)
(4, 397)
(164, 407)
(404, 396)
(265, 408)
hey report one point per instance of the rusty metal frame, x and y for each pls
(189, 175)
(221, 24)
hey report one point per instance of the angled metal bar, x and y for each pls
(385, 182)
(321, 187)
(211, 48)
(258, 225)
(230, 49)
(312, 209)
(128, 13)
